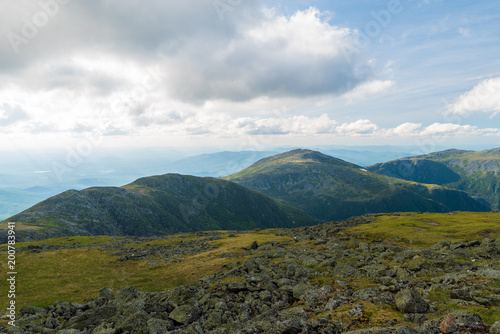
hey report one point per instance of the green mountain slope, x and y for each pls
(475, 172)
(157, 205)
(332, 189)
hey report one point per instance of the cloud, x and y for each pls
(360, 127)
(406, 129)
(366, 89)
(10, 114)
(447, 129)
(484, 97)
(95, 47)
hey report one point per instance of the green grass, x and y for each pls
(430, 228)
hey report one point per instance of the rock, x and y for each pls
(295, 312)
(409, 301)
(335, 302)
(495, 328)
(469, 320)
(449, 324)
(254, 245)
(463, 294)
(136, 323)
(92, 317)
(357, 311)
(366, 294)
(417, 318)
(104, 329)
(185, 314)
(69, 331)
(301, 289)
(291, 326)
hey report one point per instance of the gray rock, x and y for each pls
(136, 323)
(104, 329)
(495, 328)
(410, 301)
(295, 312)
(357, 311)
(92, 317)
(185, 314)
(336, 301)
(469, 320)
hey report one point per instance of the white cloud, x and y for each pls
(484, 97)
(464, 32)
(370, 88)
(448, 129)
(406, 129)
(360, 127)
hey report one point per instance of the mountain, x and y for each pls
(158, 205)
(475, 172)
(332, 189)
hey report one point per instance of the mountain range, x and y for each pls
(157, 205)
(328, 188)
(475, 172)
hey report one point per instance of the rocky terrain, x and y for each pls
(322, 279)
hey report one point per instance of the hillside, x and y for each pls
(156, 205)
(332, 189)
(475, 172)
(363, 275)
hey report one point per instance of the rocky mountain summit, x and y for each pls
(324, 279)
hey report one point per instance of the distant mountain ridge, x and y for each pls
(475, 172)
(158, 205)
(332, 189)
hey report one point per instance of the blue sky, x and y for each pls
(249, 74)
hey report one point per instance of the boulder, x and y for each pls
(495, 328)
(409, 301)
(185, 314)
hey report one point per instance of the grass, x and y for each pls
(18, 226)
(427, 228)
(76, 274)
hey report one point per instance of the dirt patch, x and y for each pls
(489, 233)
(432, 223)
(419, 228)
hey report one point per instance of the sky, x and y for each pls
(248, 74)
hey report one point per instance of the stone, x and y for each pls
(91, 317)
(495, 328)
(357, 311)
(409, 301)
(469, 320)
(185, 314)
(136, 323)
(254, 245)
(449, 324)
(104, 329)
(295, 312)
